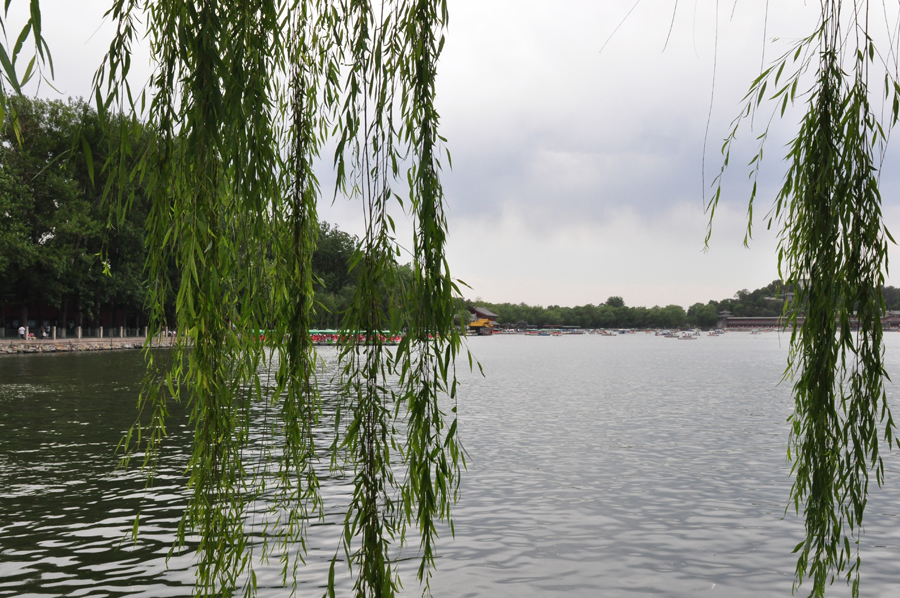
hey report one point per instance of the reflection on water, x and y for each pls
(64, 508)
(618, 466)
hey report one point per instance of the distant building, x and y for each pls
(724, 315)
(484, 321)
(483, 313)
(889, 321)
(752, 322)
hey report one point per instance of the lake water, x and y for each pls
(626, 466)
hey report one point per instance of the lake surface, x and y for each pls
(625, 466)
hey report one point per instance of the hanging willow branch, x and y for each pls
(428, 353)
(11, 81)
(400, 43)
(833, 254)
(370, 525)
(243, 97)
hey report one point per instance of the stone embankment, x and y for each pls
(13, 346)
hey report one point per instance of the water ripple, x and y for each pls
(598, 466)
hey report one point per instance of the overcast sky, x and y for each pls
(577, 174)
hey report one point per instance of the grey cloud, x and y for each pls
(553, 178)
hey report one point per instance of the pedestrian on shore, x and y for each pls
(22, 332)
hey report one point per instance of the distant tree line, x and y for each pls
(611, 314)
(767, 301)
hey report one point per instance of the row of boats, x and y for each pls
(334, 337)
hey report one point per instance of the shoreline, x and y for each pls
(19, 346)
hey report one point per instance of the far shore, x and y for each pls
(18, 346)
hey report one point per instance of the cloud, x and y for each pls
(662, 262)
(79, 37)
(540, 121)
(577, 174)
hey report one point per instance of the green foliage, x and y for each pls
(891, 297)
(767, 301)
(11, 80)
(55, 231)
(615, 301)
(832, 253)
(242, 105)
(704, 316)
(54, 228)
(587, 316)
(332, 258)
(335, 284)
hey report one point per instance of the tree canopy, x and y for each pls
(59, 246)
(55, 228)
